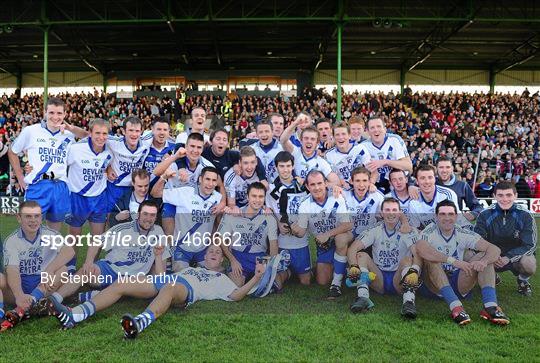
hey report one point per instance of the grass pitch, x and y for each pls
(297, 325)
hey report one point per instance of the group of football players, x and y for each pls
(350, 188)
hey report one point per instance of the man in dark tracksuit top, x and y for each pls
(513, 229)
(446, 178)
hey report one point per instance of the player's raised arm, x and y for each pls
(165, 164)
(284, 139)
(77, 131)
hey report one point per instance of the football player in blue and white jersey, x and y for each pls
(198, 119)
(284, 198)
(87, 161)
(344, 157)
(327, 219)
(392, 263)
(131, 250)
(248, 236)
(237, 184)
(267, 148)
(161, 147)
(194, 221)
(455, 260)
(362, 205)
(306, 157)
(324, 128)
(422, 210)
(304, 120)
(400, 189)
(388, 151)
(46, 145)
(129, 152)
(187, 163)
(30, 253)
(183, 288)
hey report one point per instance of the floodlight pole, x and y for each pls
(45, 65)
(339, 31)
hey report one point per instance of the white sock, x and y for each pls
(363, 289)
(336, 280)
(523, 278)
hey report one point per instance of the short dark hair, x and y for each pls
(360, 170)
(195, 136)
(504, 185)
(209, 169)
(445, 203)
(374, 118)
(322, 120)
(390, 200)
(283, 157)
(265, 122)
(134, 120)
(256, 185)
(147, 203)
(444, 158)
(313, 172)
(160, 119)
(141, 173)
(55, 101)
(28, 204)
(395, 170)
(425, 167)
(213, 134)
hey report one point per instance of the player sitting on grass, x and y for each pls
(182, 288)
(455, 259)
(130, 252)
(249, 236)
(29, 256)
(326, 218)
(396, 269)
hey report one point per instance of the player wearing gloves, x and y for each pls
(395, 265)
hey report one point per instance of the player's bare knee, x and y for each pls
(2, 282)
(363, 257)
(305, 280)
(528, 265)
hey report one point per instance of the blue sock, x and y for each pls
(83, 311)
(144, 319)
(489, 296)
(37, 294)
(450, 296)
(2, 312)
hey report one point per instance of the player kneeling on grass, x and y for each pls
(396, 268)
(182, 289)
(131, 252)
(34, 264)
(455, 259)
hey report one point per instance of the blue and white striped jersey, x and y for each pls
(86, 173)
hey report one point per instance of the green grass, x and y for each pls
(297, 325)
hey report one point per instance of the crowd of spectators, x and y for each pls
(500, 130)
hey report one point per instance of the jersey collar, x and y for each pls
(44, 125)
(432, 200)
(20, 234)
(384, 142)
(92, 147)
(267, 148)
(444, 237)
